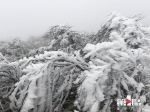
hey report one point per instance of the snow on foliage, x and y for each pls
(59, 37)
(13, 50)
(112, 64)
(9, 75)
(119, 66)
(45, 85)
(63, 38)
(3, 59)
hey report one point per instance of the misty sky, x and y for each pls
(26, 18)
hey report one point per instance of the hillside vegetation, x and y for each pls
(70, 71)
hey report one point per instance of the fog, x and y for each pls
(26, 18)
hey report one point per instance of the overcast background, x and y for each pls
(26, 18)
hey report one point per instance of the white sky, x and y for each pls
(25, 18)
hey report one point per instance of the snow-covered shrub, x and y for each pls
(59, 37)
(14, 50)
(46, 82)
(129, 29)
(9, 75)
(63, 38)
(119, 66)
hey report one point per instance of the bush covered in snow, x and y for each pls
(119, 66)
(13, 50)
(65, 39)
(107, 66)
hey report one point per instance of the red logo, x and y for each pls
(128, 101)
